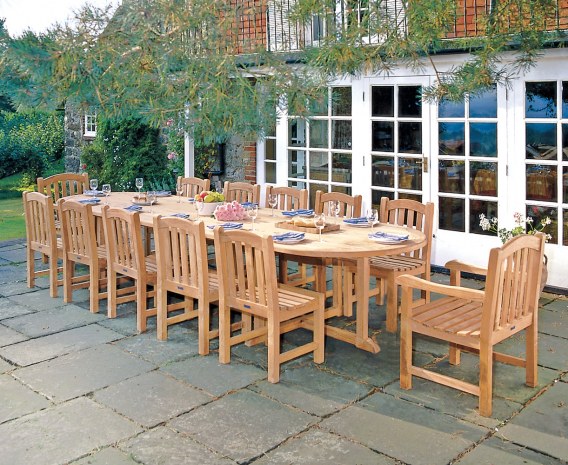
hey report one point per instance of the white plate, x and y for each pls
(289, 241)
(358, 225)
(386, 240)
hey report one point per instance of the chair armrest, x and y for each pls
(414, 282)
(456, 265)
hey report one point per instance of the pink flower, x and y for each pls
(169, 122)
(84, 166)
(172, 156)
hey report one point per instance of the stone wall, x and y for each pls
(73, 139)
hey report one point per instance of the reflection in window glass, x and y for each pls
(319, 105)
(270, 173)
(341, 134)
(483, 139)
(448, 109)
(540, 100)
(312, 189)
(410, 137)
(318, 166)
(565, 186)
(541, 141)
(341, 167)
(565, 99)
(341, 101)
(382, 136)
(409, 101)
(297, 164)
(382, 99)
(451, 138)
(377, 195)
(409, 173)
(484, 105)
(452, 214)
(565, 229)
(318, 134)
(296, 132)
(483, 178)
(383, 172)
(538, 213)
(565, 142)
(452, 176)
(478, 207)
(541, 183)
(270, 149)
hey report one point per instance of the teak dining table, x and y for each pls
(347, 243)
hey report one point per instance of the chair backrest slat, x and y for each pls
(350, 205)
(123, 234)
(193, 186)
(289, 198)
(78, 228)
(39, 219)
(241, 192)
(63, 185)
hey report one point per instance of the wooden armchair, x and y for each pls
(181, 254)
(247, 284)
(193, 186)
(80, 247)
(475, 320)
(241, 192)
(63, 185)
(126, 258)
(41, 236)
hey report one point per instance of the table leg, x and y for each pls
(363, 341)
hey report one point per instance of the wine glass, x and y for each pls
(179, 191)
(219, 187)
(93, 184)
(319, 221)
(252, 212)
(139, 185)
(372, 217)
(106, 192)
(151, 198)
(272, 201)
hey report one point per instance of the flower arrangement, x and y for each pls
(522, 226)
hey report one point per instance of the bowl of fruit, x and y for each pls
(208, 201)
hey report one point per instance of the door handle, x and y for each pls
(423, 163)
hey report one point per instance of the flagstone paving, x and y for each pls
(79, 388)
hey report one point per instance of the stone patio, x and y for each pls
(79, 388)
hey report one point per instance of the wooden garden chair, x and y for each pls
(126, 258)
(193, 186)
(181, 255)
(63, 185)
(476, 320)
(246, 266)
(41, 237)
(241, 192)
(80, 247)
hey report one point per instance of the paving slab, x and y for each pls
(5, 366)
(496, 451)
(161, 446)
(18, 400)
(51, 346)
(82, 372)
(10, 309)
(157, 398)
(16, 254)
(38, 300)
(542, 425)
(321, 447)
(552, 350)
(553, 322)
(407, 432)
(181, 344)
(12, 273)
(52, 321)
(242, 425)
(207, 373)
(559, 304)
(9, 336)
(62, 433)
(108, 456)
(124, 323)
(312, 390)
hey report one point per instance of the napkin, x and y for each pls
(90, 201)
(90, 192)
(389, 236)
(249, 204)
(181, 215)
(227, 225)
(298, 212)
(133, 208)
(361, 220)
(289, 236)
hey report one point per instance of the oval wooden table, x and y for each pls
(349, 243)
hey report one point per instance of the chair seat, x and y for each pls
(451, 315)
(396, 263)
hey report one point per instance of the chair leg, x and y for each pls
(94, 287)
(455, 354)
(53, 275)
(531, 356)
(162, 313)
(224, 334)
(319, 333)
(112, 294)
(141, 305)
(485, 380)
(273, 350)
(405, 354)
(31, 266)
(68, 272)
(203, 316)
(392, 305)
(348, 292)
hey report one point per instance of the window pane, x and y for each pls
(565, 142)
(377, 195)
(409, 196)
(270, 172)
(318, 166)
(451, 138)
(564, 99)
(383, 171)
(320, 104)
(296, 132)
(382, 136)
(410, 137)
(297, 164)
(541, 183)
(538, 213)
(483, 139)
(382, 98)
(409, 173)
(484, 105)
(409, 101)
(312, 188)
(565, 185)
(540, 100)
(270, 149)
(342, 189)
(341, 101)
(483, 178)
(341, 167)
(478, 207)
(341, 134)
(318, 134)
(565, 228)
(448, 109)
(452, 174)
(452, 214)
(541, 141)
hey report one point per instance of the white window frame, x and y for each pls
(90, 122)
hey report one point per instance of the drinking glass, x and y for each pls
(151, 199)
(93, 184)
(272, 201)
(139, 185)
(334, 208)
(179, 191)
(319, 221)
(106, 192)
(252, 212)
(372, 216)
(219, 187)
